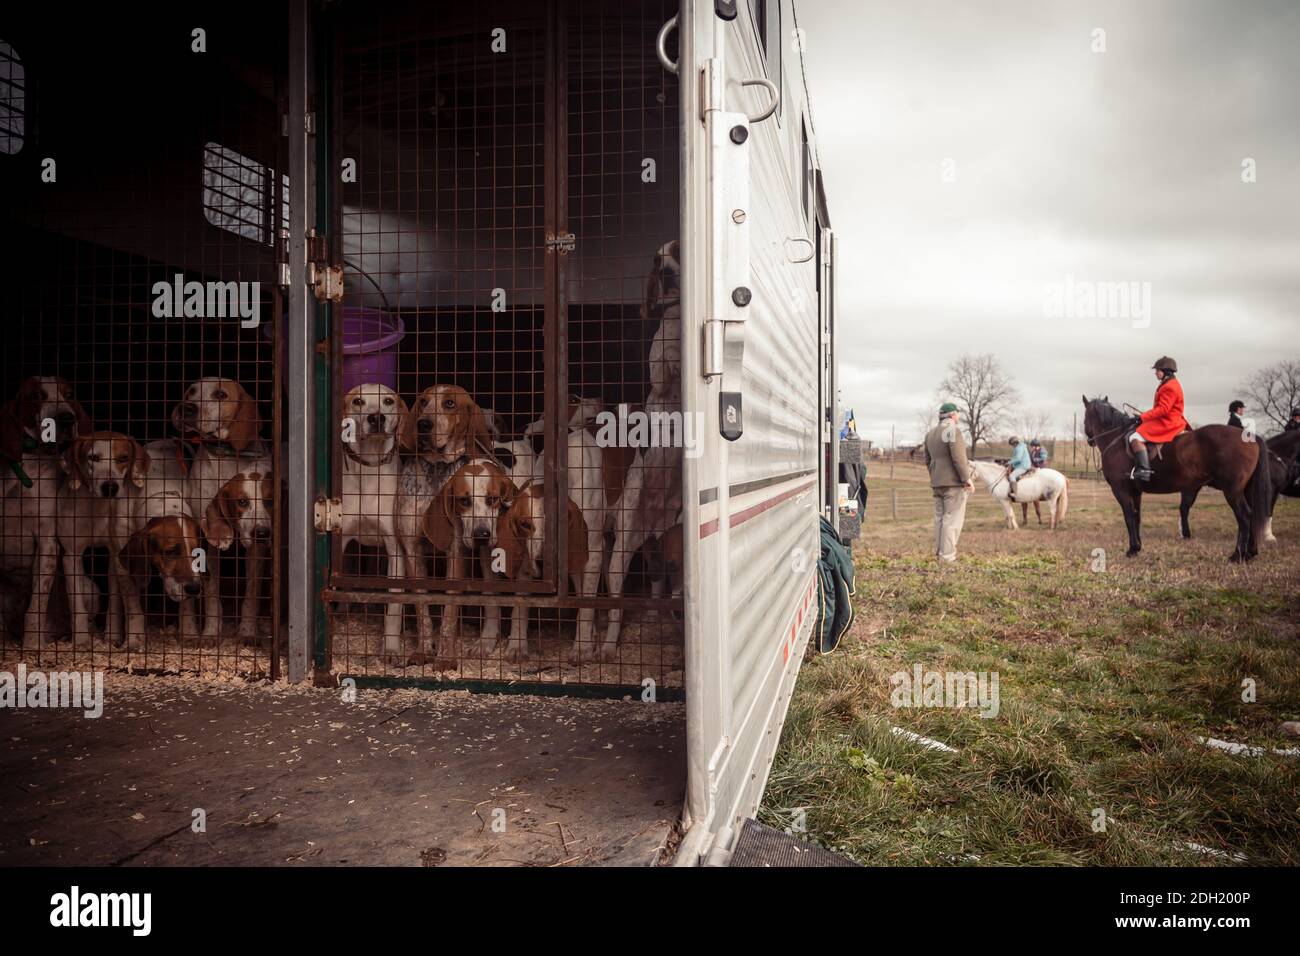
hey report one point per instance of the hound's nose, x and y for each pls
(482, 534)
(424, 426)
(187, 410)
(376, 420)
(193, 589)
(64, 417)
(261, 534)
(109, 489)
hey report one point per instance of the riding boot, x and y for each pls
(1142, 468)
(1011, 493)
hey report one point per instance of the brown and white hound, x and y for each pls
(445, 429)
(105, 472)
(462, 521)
(241, 511)
(220, 419)
(521, 534)
(373, 418)
(36, 425)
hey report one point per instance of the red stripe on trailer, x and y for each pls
(740, 517)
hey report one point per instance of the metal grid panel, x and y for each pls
(512, 219)
(134, 512)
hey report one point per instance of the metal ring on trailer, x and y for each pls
(660, 42)
(771, 88)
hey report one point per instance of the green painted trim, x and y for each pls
(324, 106)
(663, 695)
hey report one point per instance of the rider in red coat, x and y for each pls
(1163, 422)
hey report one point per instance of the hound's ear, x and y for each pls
(177, 424)
(139, 464)
(477, 437)
(216, 525)
(403, 418)
(437, 521)
(84, 425)
(508, 542)
(246, 425)
(406, 429)
(577, 552)
(134, 557)
(72, 462)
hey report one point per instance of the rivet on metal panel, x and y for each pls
(739, 134)
(741, 296)
(738, 216)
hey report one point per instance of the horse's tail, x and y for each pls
(1259, 495)
(1063, 501)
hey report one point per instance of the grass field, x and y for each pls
(1106, 680)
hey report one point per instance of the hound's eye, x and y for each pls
(219, 395)
(171, 551)
(92, 458)
(423, 402)
(493, 501)
(122, 459)
(357, 403)
(67, 392)
(449, 403)
(527, 526)
(242, 502)
(388, 401)
(463, 501)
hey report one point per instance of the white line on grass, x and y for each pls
(923, 741)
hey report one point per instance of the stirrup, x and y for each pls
(1141, 474)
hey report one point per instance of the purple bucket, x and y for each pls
(370, 347)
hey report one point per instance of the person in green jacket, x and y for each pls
(950, 481)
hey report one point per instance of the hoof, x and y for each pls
(1131, 552)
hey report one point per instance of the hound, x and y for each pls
(105, 470)
(653, 495)
(43, 408)
(241, 510)
(156, 533)
(374, 416)
(521, 533)
(463, 522)
(444, 430)
(598, 479)
(218, 419)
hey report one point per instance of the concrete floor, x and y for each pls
(290, 775)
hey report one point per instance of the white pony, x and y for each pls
(1042, 484)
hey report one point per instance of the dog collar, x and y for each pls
(371, 464)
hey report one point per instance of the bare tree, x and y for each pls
(1031, 425)
(1275, 390)
(981, 391)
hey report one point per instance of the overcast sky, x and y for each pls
(1122, 166)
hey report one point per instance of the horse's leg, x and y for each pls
(1024, 512)
(1240, 510)
(1185, 509)
(1129, 506)
(1038, 513)
(1010, 511)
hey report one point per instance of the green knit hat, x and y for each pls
(947, 408)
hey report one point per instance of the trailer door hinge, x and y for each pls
(325, 279)
(564, 243)
(328, 515)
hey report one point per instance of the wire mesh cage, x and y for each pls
(510, 435)
(143, 227)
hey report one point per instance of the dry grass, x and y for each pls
(1106, 680)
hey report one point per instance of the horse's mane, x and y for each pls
(1286, 444)
(1108, 416)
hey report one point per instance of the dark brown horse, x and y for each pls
(1213, 455)
(1282, 472)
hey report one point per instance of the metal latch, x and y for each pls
(328, 514)
(326, 280)
(562, 244)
